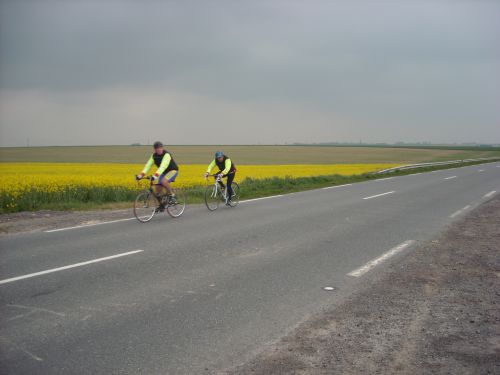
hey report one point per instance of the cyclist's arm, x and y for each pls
(164, 164)
(148, 166)
(227, 167)
(211, 166)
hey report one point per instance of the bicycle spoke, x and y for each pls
(211, 198)
(235, 199)
(176, 209)
(145, 206)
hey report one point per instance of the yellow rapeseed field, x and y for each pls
(18, 177)
(32, 183)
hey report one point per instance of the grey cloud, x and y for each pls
(389, 64)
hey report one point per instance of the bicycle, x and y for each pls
(218, 193)
(148, 203)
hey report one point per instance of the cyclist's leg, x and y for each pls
(166, 180)
(158, 189)
(230, 179)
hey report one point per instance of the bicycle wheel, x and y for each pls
(145, 206)
(177, 209)
(236, 194)
(211, 198)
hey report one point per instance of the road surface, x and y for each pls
(208, 291)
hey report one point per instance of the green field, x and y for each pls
(250, 155)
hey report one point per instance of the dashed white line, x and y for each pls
(490, 194)
(480, 170)
(6, 281)
(373, 263)
(379, 195)
(384, 179)
(455, 214)
(450, 178)
(89, 225)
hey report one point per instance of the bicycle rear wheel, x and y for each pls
(211, 198)
(145, 206)
(235, 200)
(177, 209)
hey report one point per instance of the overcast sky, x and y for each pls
(243, 72)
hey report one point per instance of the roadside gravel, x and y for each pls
(24, 222)
(436, 311)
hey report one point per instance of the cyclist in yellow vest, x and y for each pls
(167, 171)
(226, 169)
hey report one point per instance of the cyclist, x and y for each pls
(226, 169)
(166, 173)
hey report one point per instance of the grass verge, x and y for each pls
(111, 198)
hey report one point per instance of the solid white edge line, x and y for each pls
(450, 178)
(260, 199)
(371, 264)
(335, 187)
(88, 225)
(384, 179)
(379, 195)
(459, 211)
(490, 194)
(68, 267)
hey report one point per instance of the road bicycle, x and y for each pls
(149, 203)
(218, 193)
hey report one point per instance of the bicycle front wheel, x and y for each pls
(211, 198)
(236, 194)
(145, 206)
(177, 208)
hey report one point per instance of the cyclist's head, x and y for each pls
(158, 146)
(219, 154)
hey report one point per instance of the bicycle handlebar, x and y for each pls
(149, 178)
(217, 174)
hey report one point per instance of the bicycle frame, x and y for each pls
(152, 185)
(216, 191)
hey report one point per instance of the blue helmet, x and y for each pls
(219, 154)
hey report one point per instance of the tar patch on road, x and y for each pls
(436, 312)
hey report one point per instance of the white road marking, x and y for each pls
(480, 170)
(21, 316)
(36, 358)
(379, 195)
(455, 214)
(88, 225)
(490, 194)
(384, 179)
(335, 187)
(68, 267)
(450, 178)
(259, 199)
(373, 263)
(35, 309)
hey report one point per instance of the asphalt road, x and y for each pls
(209, 290)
